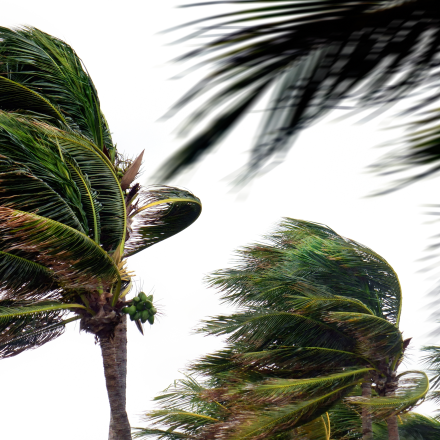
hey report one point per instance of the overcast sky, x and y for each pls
(58, 391)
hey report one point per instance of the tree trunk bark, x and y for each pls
(367, 423)
(393, 429)
(114, 355)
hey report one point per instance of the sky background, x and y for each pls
(58, 391)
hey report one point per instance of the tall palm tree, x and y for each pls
(311, 55)
(318, 316)
(70, 214)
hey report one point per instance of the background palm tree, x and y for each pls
(311, 56)
(318, 316)
(70, 214)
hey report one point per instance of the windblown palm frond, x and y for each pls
(159, 213)
(311, 56)
(409, 392)
(412, 426)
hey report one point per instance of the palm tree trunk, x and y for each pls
(393, 429)
(367, 423)
(114, 355)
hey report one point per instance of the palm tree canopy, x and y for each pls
(69, 211)
(318, 315)
(311, 55)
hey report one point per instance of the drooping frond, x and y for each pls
(160, 213)
(75, 258)
(409, 392)
(32, 334)
(22, 278)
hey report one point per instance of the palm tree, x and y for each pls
(70, 214)
(318, 316)
(312, 55)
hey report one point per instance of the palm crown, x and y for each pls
(318, 317)
(70, 214)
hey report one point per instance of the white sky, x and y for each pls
(58, 391)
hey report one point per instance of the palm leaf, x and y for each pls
(432, 361)
(303, 359)
(21, 190)
(313, 55)
(261, 328)
(35, 334)
(279, 391)
(281, 419)
(318, 429)
(22, 278)
(161, 213)
(73, 256)
(412, 426)
(50, 67)
(375, 337)
(410, 391)
(15, 96)
(100, 190)
(13, 312)
(21, 144)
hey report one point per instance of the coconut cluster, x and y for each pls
(141, 308)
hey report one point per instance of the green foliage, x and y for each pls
(310, 57)
(318, 315)
(65, 220)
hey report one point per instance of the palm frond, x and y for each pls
(32, 334)
(375, 337)
(312, 55)
(21, 144)
(279, 391)
(16, 96)
(432, 361)
(100, 191)
(261, 328)
(412, 426)
(74, 258)
(318, 429)
(50, 67)
(21, 278)
(302, 359)
(21, 190)
(305, 258)
(280, 419)
(160, 213)
(408, 394)
(158, 433)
